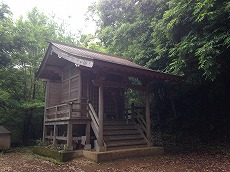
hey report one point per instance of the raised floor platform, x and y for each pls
(122, 154)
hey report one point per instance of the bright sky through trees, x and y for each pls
(71, 11)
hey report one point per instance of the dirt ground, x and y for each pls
(24, 161)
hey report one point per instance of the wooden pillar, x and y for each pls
(80, 92)
(55, 134)
(44, 132)
(69, 136)
(46, 105)
(147, 114)
(87, 133)
(101, 115)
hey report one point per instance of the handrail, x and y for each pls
(141, 125)
(139, 120)
(95, 120)
(94, 115)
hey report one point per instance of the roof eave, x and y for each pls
(42, 65)
(139, 72)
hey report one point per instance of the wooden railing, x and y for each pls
(66, 111)
(136, 114)
(57, 112)
(95, 120)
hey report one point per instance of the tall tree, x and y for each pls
(23, 95)
(125, 28)
(6, 27)
(189, 38)
(195, 37)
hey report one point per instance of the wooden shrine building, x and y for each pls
(84, 104)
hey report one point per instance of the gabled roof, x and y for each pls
(93, 55)
(92, 59)
(4, 130)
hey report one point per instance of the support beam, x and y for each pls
(147, 114)
(70, 136)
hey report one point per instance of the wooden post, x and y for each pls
(70, 135)
(44, 132)
(87, 132)
(55, 134)
(70, 109)
(80, 93)
(147, 114)
(101, 114)
(46, 105)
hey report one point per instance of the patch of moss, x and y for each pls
(50, 153)
(61, 156)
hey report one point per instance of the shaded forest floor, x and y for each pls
(25, 161)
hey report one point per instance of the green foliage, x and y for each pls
(91, 42)
(174, 36)
(189, 38)
(194, 32)
(22, 47)
(125, 28)
(6, 28)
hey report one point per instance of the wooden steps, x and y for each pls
(122, 135)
